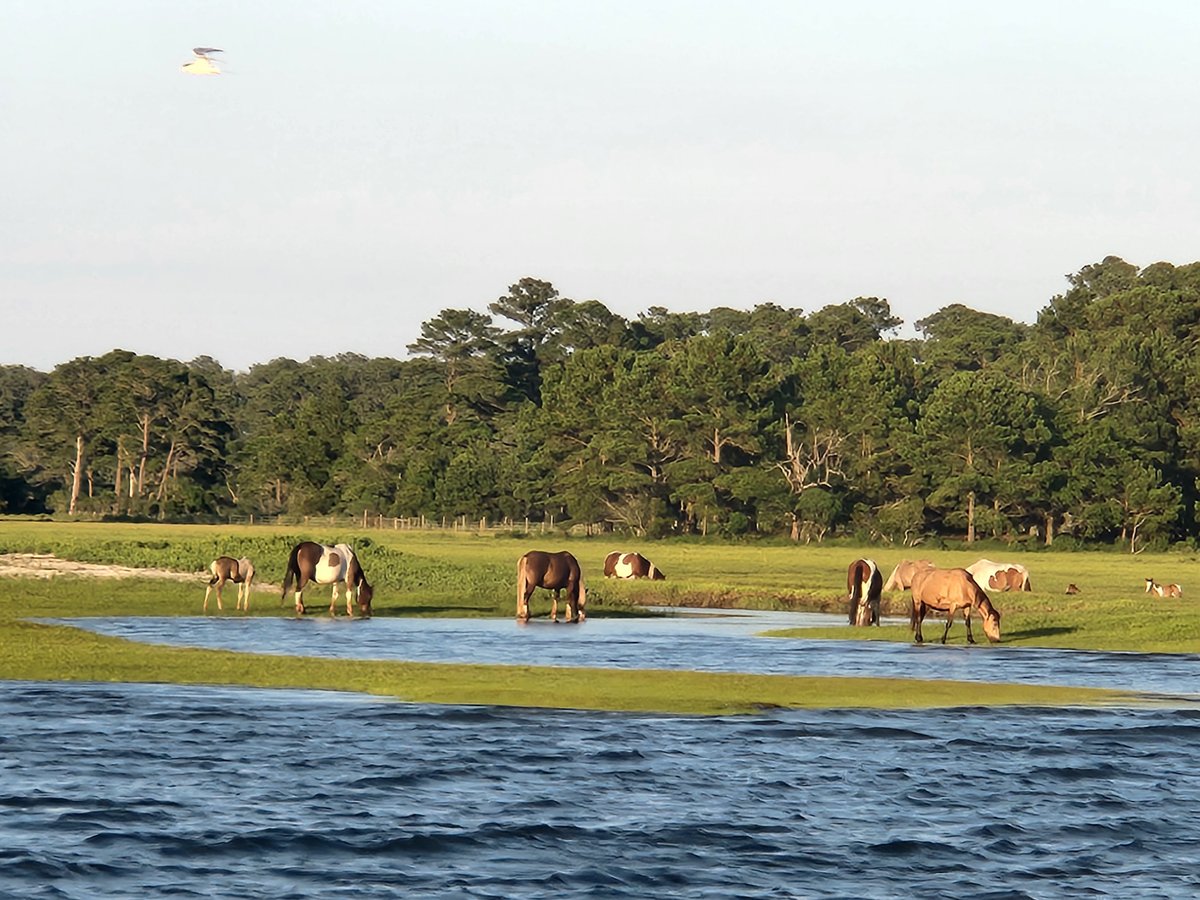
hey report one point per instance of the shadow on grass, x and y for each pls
(1048, 631)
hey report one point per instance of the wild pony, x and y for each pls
(554, 572)
(864, 584)
(994, 576)
(1163, 590)
(948, 591)
(226, 568)
(323, 564)
(631, 565)
(902, 575)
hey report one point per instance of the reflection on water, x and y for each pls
(136, 791)
(713, 642)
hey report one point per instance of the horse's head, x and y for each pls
(656, 573)
(991, 624)
(365, 593)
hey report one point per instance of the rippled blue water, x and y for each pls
(137, 791)
(147, 791)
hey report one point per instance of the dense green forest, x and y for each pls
(1083, 427)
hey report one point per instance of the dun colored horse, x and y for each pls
(948, 591)
(864, 584)
(323, 564)
(226, 568)
(554, 572)
(902, 576)
(1163, 590)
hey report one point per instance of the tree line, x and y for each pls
(1082, 427)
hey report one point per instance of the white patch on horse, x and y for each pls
(623, 569)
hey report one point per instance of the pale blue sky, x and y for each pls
(364, 165)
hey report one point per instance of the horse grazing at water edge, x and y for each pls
(553, 572)
(864, 583)
(948, 591)
(1163, 590)
(323, 564)
(226, 568)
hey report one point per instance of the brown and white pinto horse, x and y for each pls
(1163, 590)
(902, 575)
(323, 564)
(996, 576)
(226, 568)
(948, 591)
(554, 572)
(631, 565)
(864, 584)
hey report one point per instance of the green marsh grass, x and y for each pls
(438, 574)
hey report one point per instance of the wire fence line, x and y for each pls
(378, 521)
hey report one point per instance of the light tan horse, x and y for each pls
(948, 591)
(1163, 590)
(902, 576)
(226, 568)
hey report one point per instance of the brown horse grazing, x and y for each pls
(631, 565)
(226, 568)
(554, 572)
(323, 564)
(864, 584)
(1072, 588)
(902, 576)
(1163, 590)
(948, 591)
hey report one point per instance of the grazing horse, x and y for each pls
(631, 565)
(948, 591)
(226, 568)
(864, 584)
(322, 564)
(554, 572)
(1072, 588)
(1000, 576)
(1163, 590)
(902, 576)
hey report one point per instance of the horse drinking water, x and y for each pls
(864, 583)
(323, 564)
(948, 591)
(226, 568)
(554, 572)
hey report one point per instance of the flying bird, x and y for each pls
(202, 64)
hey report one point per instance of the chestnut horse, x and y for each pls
(864, 584)
(1163, 590)
(226, 568)
(948, 591)
(554, 572)
(323, 564)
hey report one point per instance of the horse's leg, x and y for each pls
(207, 591)
(300, 597)
(554, 606)
(918, 618)
(949, 622)
(967, 622)
(333, 602)
(350, 594)
(220, 585)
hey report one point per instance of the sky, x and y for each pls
(361, 166)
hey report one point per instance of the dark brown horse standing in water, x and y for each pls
(554, 572)
(864, 583)
(948, 591)
(226, 568)
(323, 564)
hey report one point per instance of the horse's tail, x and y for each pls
(522, 581)
(582, 595)
(292, 572)
(212, 572)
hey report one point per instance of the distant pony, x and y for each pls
(226, 568)
(994, 576)
(864, 584)
(1163, 590)
(631, 565)
(553, 572)
(1072, 588)
(323, 564)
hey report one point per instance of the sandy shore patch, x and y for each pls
(36, 565)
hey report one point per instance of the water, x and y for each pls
(144, 790)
